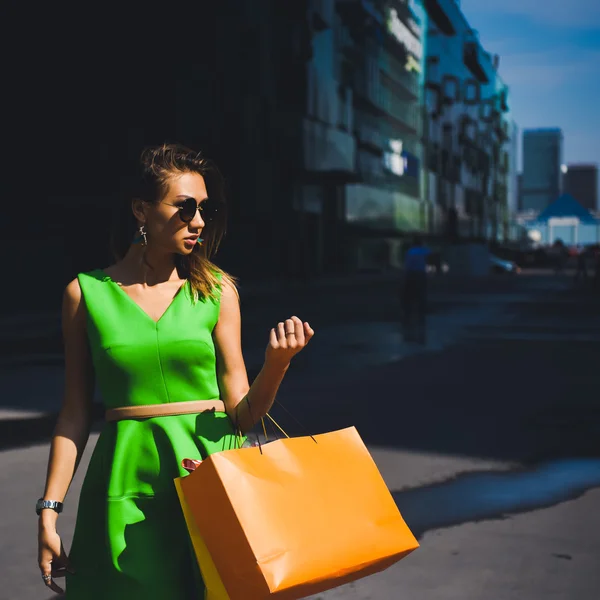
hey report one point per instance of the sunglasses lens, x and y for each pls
(188, 210)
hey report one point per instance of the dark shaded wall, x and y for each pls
(88, 90)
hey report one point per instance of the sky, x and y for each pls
(550, 59)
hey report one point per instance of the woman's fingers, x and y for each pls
(53, 561)
(46, 569)
(308, 331)
(290, 333)
(289, 337)
(298, 330)
(273, 339)
(281, 335)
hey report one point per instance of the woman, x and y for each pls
(156, 330)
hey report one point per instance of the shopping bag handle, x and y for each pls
(295, 419)
(268, 416)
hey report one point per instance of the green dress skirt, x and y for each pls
(130, 538)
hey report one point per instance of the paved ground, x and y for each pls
(488, 437)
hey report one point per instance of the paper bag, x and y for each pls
(293, 518)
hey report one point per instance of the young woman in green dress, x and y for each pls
(159, 333)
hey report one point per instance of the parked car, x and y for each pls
(498, 265)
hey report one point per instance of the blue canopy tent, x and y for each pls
(567, 220)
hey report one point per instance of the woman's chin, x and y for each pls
(185, 250)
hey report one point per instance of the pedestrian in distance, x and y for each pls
(159, 332)
(414, 292)
(581, 273)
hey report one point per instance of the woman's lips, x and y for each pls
(190, 241)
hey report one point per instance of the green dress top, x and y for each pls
(130, 537)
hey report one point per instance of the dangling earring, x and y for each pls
(199, 242)
(141, 236)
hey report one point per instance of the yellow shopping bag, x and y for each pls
(215, 590)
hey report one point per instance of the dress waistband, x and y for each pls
(147, 411)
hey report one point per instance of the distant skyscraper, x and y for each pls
(542, 159)
(581, 181)
(512, 182)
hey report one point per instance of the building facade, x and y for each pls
(380, 57)
(542, 162)
(323, 99)
(581, 182)
(468, 130)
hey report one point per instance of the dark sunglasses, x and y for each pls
(187, 209)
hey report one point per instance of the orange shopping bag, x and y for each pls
(293, 518)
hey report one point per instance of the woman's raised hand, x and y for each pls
(286, 340)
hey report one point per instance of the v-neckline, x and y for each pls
(144, 313)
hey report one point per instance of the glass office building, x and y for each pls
(581, 181)
(542, 161)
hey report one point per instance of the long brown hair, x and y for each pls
(156, 166)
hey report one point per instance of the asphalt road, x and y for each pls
(488, 437)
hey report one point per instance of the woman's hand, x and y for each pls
(52, 558)
(286, 340)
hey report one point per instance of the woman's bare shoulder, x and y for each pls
(73, 295)
(73, 292)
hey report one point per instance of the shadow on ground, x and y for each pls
(513, 401)
(477, 496)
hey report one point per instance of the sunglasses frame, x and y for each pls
(197, 207)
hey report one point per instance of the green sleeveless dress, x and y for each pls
(130, 538)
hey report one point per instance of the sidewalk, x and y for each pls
(445, 428)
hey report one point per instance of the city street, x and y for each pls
(488, 436)
(416, 179)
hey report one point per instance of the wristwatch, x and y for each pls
(41, 504)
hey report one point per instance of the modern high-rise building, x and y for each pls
(581, 181)
(468, 130)
(542, 161)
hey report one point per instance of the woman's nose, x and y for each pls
(197, 221)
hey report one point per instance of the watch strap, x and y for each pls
(51, 504)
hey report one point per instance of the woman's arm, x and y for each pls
(74, 421)
(231, 370)
(70, 434)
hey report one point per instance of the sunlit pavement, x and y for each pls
(488, 437)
